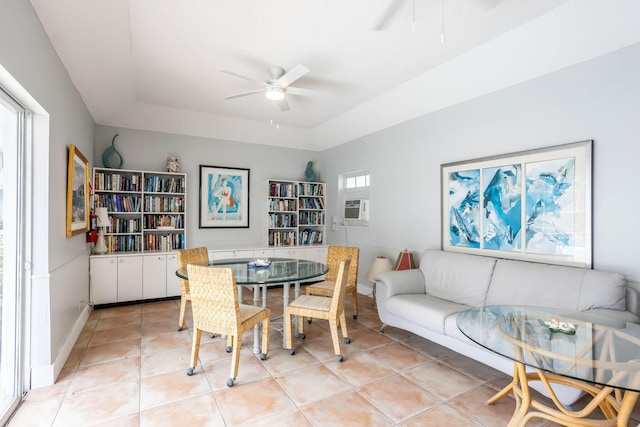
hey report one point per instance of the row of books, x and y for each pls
(163, 204)
(308, 189)
(158, 184)
(312, 218)
(283, 189)
(104, 181)
(311, 203)
(282, 205)
(124, 243)
(152, 222)
(282, 220)
(282, 238)
(124, 225)
(309, 236)
(118, 202)
(163, 242)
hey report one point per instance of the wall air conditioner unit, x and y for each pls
(356, 209)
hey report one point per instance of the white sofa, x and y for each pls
(427, 300)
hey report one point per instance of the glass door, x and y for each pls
(11, 254)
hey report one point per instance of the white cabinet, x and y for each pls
(129, 278)
(173, 281)
(154, 276)
(243, 253)
(104, 280)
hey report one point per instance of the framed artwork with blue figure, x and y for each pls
(532, 205)
(224, 197)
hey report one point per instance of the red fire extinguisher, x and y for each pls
(92, 234)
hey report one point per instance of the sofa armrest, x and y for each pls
(392, 283)
(633, 301)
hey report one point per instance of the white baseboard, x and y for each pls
(42, 376)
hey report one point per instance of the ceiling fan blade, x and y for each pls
(292, 90)
(238, 95)
(294, 74)
(231, 73)
(388, 15)
(284, 105)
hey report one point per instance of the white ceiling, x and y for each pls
(154, 64)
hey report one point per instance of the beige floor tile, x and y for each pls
(114, 334)
(159, 316)
(170, 387)
(345, 410)
(252, 401)
(441, 416)
(163, 326)
(124, 421)
(397, 397)
(249, 369)
(368, 339)
(129, 319)
(36, 413)
(109, 352)
(105, 374)
(360, 369)
(398, 356)
(473, 403)
(440, 380)
(165, 342)
(201, 411)
(288, 418)
(170, 306)
(322, 348)
(105, 313)
(280, 361)
(167, 361)
(99, 405)
(310, 384)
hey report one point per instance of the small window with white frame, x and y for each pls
(355, 199)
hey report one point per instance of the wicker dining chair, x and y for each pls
(335, 254)
(319, 307)
(198, 256)
(214, 300)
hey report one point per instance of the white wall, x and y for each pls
(149, 151)
(598, 100)
(59, 264)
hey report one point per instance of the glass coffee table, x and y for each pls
(561, 347)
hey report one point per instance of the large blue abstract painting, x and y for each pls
(224, 197)
(531, 205)
(464, 208)
(502, 207)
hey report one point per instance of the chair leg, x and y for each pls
(355, 302)
(195, 349)
(300, 332)
(235, 358)
(288, 331)
(265, 338)
(183, 310)
(333, 326)
(343, 326)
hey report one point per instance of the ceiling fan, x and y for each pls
(278, 84)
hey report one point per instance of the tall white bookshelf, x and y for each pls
(295, 213)
(146, 209)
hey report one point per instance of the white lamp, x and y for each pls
(275, 93)
(102, 221)
(380, 265)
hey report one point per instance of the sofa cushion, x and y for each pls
(424, 310)
(554, 286)
(457, 277)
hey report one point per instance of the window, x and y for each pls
(354, 199)
(356, 181)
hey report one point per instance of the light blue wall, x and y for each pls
(59, 264)
(598, 100)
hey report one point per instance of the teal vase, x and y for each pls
(110, 153)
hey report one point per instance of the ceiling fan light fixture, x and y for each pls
(275, 93)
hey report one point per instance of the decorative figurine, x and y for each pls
(173, 164)
(309, 174)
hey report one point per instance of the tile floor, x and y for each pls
(128, 368)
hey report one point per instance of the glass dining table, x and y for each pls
(575, 349)
(279, 271)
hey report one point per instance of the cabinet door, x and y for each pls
(263, 253)
(129, 278)
(104, 280)
(318, 254)
(154, 272)
(173, 281)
